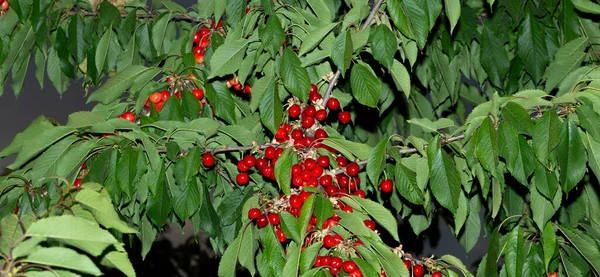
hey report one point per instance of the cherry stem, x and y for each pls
(337, 74)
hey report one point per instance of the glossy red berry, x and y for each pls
(242, 167)
(77, 183)
(281, 133)
(314, 88)
(198, 93)
(418, 270)
(294, 111)
(17, 209)
(370, 224)
(356, 273)
(386, 186)
(262, 221)
(165, 95)
(280, 235)
(199, 58)
(295, 201)
(325, 260)
(155, 97)
(261, 163)
(270, 152)
(254, 213)
(328, 241)
(249, 160)
(129, 116)
(208, 160)
(344, 117)
(242, 179)
(197, 37)
(317, 262)
(321, 115)
(436, 274)
(267, 172)
(308, 122)
(323, 161)
(198, 50)
(349, 266)
(273, 218)
(352, 169)
(333, 104)
(310, 164)
(321, 134)
(297, 134)
(407, 263)
(326, 180)
(360, 193)
(341, 161)
(336, 262)
(348, 209)
(247, 89)
(334, 271)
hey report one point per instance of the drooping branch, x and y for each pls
(338, 73)
(138, 16)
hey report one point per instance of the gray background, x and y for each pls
(16, 114)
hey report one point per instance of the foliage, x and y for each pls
(467, 106)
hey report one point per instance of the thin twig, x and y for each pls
(337, 74)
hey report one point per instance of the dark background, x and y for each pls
(176, 252)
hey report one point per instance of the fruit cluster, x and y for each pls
(4, 7)
(234, 83)
(202, 40)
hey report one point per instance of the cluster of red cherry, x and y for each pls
(202, 40)
(234, 83)
(5, 6)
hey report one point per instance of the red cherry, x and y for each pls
(352, 169)
(254, 213)
(407, 263)
(280, 235)
(198, 50)
(336, 262)
(17, 209)
(310, 164)
(247, 89)
(178, 94)
(249, 160)
(303, 196)
(383, 273)
(155, 97)
(296, 170)
(165, 95)
(197, 37)
(333, 104)
(386, 185)
(317, 262)
(344, 117)
(159, 106)
(294, 111)
(297, 181)
(267, 172)
(360, 193)
(198, 93)
(262, 221)
(356, 273)
(348, 209)
(341, 161)
(321, 115)
(297, 134)
(310, 111)
(77, 183)
(261, 163)
(317, 172)
(331, 190)
(436, 274)
(349, 266)
(314, 88)
(418, 270)
(273, 218)
(338, 239)
(321, 134)
(242, 179)
(5, 6)
(328, 241)
(308, 122)
(295, 201)
(323, 161)
(325, 180)
(325, 260)
(270, 152)
(205, 42)
(308, 141)
(129, 116)
(334, 271)
(208, 160)
(199, 58)
(370, 224)
(553, 274)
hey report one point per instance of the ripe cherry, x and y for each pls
(331, 190)
(356, 273)
(5, 6)
(281, 133)
(261, 163)
(254, 213)
(129, 116)
(296, 169)
(334, 271)
(317, 262)
(310, 111)
(159, 106)
(199, 58)
(360, 193)
(303, 196)
(297, 181)
(165, 95)
(198, 93)
(328, 241)
(320, 134)
(333, 104)
(352, 169)
(17, 209)
(349, 266)
(280, 235)
(156, 97)
(553, 274)
(325, 260)
(348, 209)
(297, 134)
(247, 89)
(436, 274)
(294, 111)
(407, 263)
(325, 180)
(262, 221)
(270, 152)
(205, 42)
(242, 179)
(295, 201)
(341, 161)
(310, 164)
(197, 37)
(198, 50)
(321, 115)
(336, 262)
(249, 160)
(370, 224)
(267, 172)
(418, 270)
(323, 161)
(273, 218)
(386, 186)
(77, 183)
(204, 31)
(308, 122)
(208, 160)
(314, 88)
(344, 117)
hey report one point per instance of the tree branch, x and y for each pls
(337, 74)
(138, 16)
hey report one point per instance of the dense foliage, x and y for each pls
(296, 134)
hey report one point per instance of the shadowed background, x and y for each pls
(176, 252)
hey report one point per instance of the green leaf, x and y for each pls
(46, 164)
(593, 149)
(587, 6)
(21, 42)
(415, 13)
(589, 120)
(323, 209)
(341, 52)
(542, 208)
(546, 181)
(584, 244)
(74, 231)
(36, 128)
(383, 44)
(428, 126)
(221, 100)
(493, 57)
(102, 50)
(159, 31)
(118, 84)
(103, 210)
(567, 59)
(292, 260)
(518, 118)
(306, 214)
(283, 169)
(366, 88)
(452, 8)
(447, 74)
(513, 253)
(271, 109)
(405, 183)
(228, 58)
(491, 264)
(63, 53)
(40, 143)
(571, 156)
(290, 226)
(376, 160)
(294, 76)
(380, 214)
(315, 37)
(548, 243)
(445, 178)
(546, 135)
(84, 119)
(227, 265)
(272, 35)
(399, 16)
(531, 47)
(322, 10)
(534, 264)
(64, 258)
(401, 77)
(120, 261)
(159, 203)
(486, 145)
(524, 163)
(308, 256)
(349, 148)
